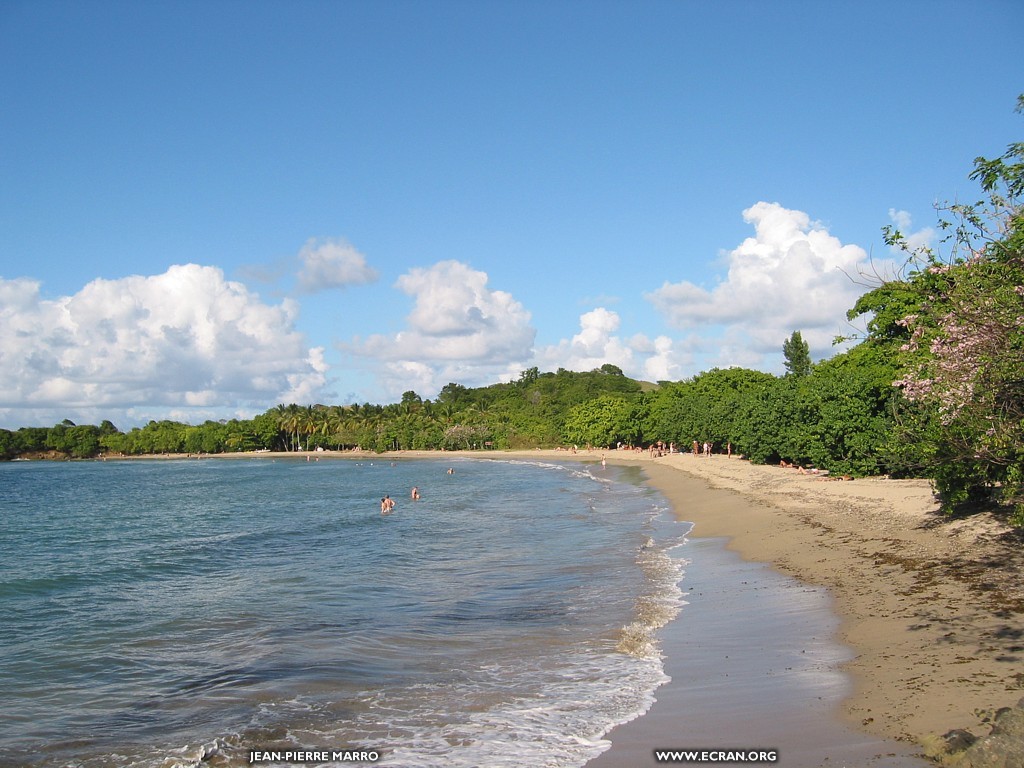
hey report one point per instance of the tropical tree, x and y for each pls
(960, 319)
(848, 412)
(291, 424)
(604, 421)
(797, 355)
(712, 406)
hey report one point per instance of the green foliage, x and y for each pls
(836, 417)
(30, 439)
(851, 412)
(833, 417)
(604, 421)
(529, 412)
(8, 444)
(78, 442)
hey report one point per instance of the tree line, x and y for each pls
(835, 414)
(526, 413)
(933, 388)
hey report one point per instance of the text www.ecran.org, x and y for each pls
(723, 756)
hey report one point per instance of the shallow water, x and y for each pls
(156, 612)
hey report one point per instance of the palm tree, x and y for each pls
(331, 424)
(446, 411)
(284, 415)
(309, 422)
(293, 423)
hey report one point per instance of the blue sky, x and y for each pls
(208, 208)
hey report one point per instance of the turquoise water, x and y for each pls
(155, 613)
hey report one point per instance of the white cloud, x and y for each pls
(458, 330)
(596, 329)
(185, 339)
(791, 275)
(915, 241)
(307, 381)
(597, 344)
(663, 362)
(332, 264)
(900, 218)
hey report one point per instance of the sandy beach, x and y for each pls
(929, 609)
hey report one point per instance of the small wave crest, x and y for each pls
(583, 471)
(657, 605)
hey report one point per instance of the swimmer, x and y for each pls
(415, 493)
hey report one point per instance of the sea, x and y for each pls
(178, 612)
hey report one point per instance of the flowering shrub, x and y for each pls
(962, 350)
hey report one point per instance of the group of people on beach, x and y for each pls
(661, 448)
(706, 448)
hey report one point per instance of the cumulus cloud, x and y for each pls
(594, 345)
(791, 275)
(458, 330)
(329, 264)
(185, 339)
(597, 343)
(663, 359)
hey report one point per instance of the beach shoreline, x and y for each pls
(930, 607)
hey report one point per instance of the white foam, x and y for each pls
(561, 724)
